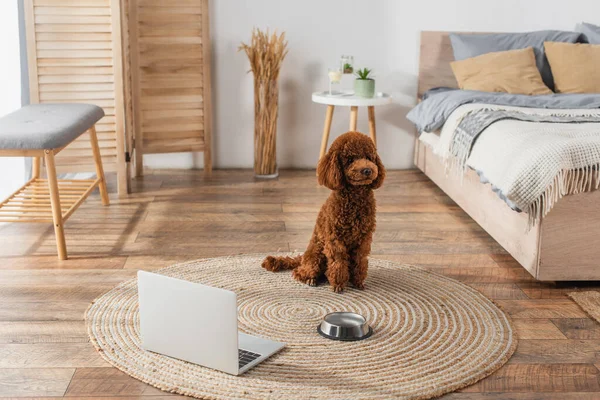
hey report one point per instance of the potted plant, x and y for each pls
(347, 63)
(348, 68)
(364, 85)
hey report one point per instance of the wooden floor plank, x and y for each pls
(43, 311)
(149, 227)
(22, 383)
(484, 275)
(50, 292)
(579, 328)
(49, 262)
(50, 355)
(149, 263)
(108, 382)
(545, 351)
(215, 238)
(540, 378)
(163, 396)
(521, 396)
(499, 291)
(443, 260)
(552, 290)
(179, 208)
(529, 328)
(199, 249)
(70, 277)
(43, 332)
(541, 308)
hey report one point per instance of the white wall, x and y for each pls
(381, 34)
(12, 169)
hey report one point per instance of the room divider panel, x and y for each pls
(146, 62)
(168, 61)
(74, 56)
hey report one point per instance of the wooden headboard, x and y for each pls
(434, 62)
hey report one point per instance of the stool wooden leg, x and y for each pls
(99, 168)
(353, 118)
(326, 129)
(59, 232)
(372, 130)
(35, 167)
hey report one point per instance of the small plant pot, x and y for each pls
(364, 88)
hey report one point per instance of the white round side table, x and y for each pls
(348, 99)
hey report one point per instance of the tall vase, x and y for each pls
(266, 108)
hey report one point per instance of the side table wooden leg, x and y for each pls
(353, 118)
(372, 130)
(59, 231)
(326, 129)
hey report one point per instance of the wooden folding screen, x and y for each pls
(146, 62)
(168, 60)
(74, 55)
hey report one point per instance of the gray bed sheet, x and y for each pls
(437, 105)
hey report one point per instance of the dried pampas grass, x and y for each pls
(266, 53)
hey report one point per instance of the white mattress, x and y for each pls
(430, 138)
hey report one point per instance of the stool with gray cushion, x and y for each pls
(43, 130)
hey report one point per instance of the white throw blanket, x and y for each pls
(533, 164)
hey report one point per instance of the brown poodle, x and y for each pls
(341, 241)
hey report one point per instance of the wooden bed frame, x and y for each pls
(564, 246)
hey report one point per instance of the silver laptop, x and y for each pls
(197, 323)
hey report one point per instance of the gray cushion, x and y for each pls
(47, 126)
(591, 33)
(472, 45)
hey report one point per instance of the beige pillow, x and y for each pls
(575, 67)
(512, 71)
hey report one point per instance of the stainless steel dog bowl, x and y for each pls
(346, 326)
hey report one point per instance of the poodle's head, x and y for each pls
(352, 160)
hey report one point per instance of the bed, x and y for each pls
(563, 245)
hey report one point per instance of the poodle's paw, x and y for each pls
(337, 288)
(270, 264)
(359, 285)
(300, 277)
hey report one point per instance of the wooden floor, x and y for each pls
(175, 216)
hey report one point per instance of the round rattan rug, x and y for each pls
(432, 335)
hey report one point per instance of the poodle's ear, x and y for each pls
(329, 173)
(380, 173)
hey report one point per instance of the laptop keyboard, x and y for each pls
(245, 357)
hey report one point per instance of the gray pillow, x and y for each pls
(472, 45)
(591, 33)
